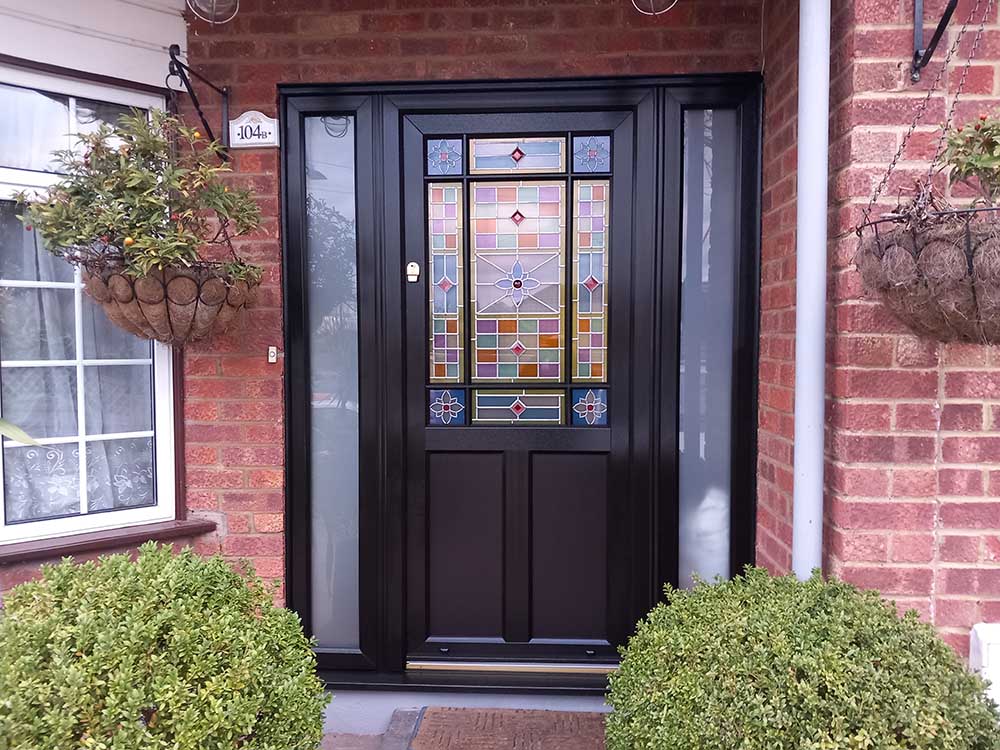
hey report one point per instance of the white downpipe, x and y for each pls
(810, 292)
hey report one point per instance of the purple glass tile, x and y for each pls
(548, 194)
(486, 195)
(548, 240)
(486, 371)
(548, 370)
(486, 326)
(452, 355)
(584, 209)
(585, 355)
(598, 224)
(597, 340)
(548, 325)
(437, 226)
(450, 211)
(439, 341)
(486, 240)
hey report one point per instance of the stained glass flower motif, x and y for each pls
(590, 407)
(592, 153)
(447, 407)
(517, 284)
(444, 156)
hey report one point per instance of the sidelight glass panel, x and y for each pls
(447, 281)
(518, 272)
(590, 280)
(331, 258)
(708, 282)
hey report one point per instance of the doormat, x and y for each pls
(502, 729)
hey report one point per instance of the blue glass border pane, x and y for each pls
(592, 153)
(447, 407)
(589, 407)
(444, 156)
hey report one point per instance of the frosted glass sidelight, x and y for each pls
(331, 257)
(708, 282)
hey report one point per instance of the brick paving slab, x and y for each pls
(506, 729)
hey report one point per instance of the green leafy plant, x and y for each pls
(171, 651)
(973, 153)
(762, 663)
(145, 194)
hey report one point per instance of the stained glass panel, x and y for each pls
(444, 156)
(518, 267)
(506, 155)
(445, 279)
(590, 407)
(590, 280)
(518, 407)
(592, 153)
(447, 407)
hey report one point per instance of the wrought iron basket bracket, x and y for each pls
(179, 69)
(922, 54)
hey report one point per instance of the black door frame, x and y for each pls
(380, 109)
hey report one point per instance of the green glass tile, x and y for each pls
(437, 241)
(450, 195)
(596, 325)
(527, 326)
(508, 371)
(584, 371)
(527, 195)
(452, 371)
(506, 241)
(440, 326)
(597, 239)
(548, 355)
(486, 342)
(584, 192)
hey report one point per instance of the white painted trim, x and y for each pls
(67, 86)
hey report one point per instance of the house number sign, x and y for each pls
(253, 130)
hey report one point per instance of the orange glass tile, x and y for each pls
(486, 355)
(527, 371)
(451, 326)
(597, 371)
(548, 341)
(508, 326)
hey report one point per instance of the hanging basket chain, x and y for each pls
(925, 194)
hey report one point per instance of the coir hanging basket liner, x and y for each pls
(941, 279)
(173, 306)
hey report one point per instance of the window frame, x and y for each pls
(161, 361)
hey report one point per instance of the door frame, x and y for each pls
(380, 109)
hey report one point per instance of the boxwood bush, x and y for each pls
(762, 663)
(171, 651)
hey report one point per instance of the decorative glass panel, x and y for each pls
(590, 407)
(332, 256)
(518, 407)
(518, 263)
(592, 153)
(506, 155)
(447, 407)
(709, 259)
(446, 279)
(590, 280)
(444, 156)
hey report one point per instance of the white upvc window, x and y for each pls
(97, 399)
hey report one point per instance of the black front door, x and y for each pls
(519, 382)
(500, 443)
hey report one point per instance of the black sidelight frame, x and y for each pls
(383, 113)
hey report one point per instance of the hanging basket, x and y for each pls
(174, 306)
(937, 269)
(940, 277)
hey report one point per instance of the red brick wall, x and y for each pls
(914, 432)
(777, 295)
(234, 404)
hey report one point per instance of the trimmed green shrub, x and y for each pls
(171, 651)
(762, 663)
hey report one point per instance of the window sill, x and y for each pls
(97, 540)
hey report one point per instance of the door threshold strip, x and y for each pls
(493, 666)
